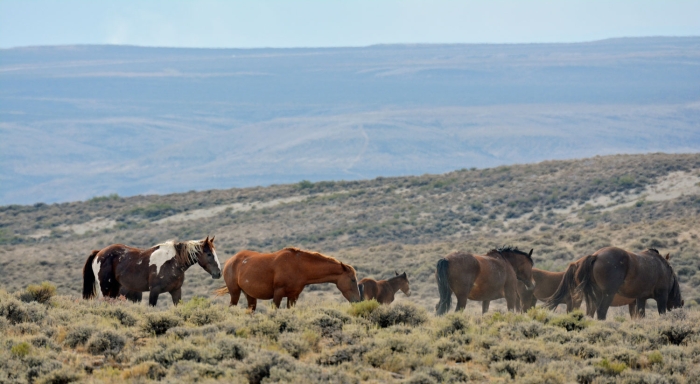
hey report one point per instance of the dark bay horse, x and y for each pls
(282, 274)
(482, 278)
(384, 290)
(118, 269)
(546, 285)
(641, 276)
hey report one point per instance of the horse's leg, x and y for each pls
(461, 303)
(153, 297)
(661, 298)
(277, 297)
(633, 309)
(176, 295)
(641, 305)
(603, 305)
(292, 298)
(133, 296)
(485, 306)
(252, 302)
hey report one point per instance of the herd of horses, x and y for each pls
(609, 277)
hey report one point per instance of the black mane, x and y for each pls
(513, 249)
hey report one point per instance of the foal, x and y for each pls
(384, 290)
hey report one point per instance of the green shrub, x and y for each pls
(611, 368)
(17, 312)
(230, 348)
(342, 354)
(452, 323)
(159, 323)
(401, 313)
(294, 343)
(327, 325)
(199, 312)
(149, 369)
(61, 376)
(106, 342)
(574, 321)
(78, 335)
(257, 367)
(21, 350)
(39, 293)
(655, 357)
(363, 308)
(124, 317)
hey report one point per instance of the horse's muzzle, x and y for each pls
(216, 275)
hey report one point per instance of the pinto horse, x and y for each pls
(384, 290)
(639, 276)
(482, 278)
(282, 274)
(546, 285)
(118, 269)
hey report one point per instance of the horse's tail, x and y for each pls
(565, 290)
(361, 287)
(586, 287)
(443, 287)
(221, 291)
(89, 277)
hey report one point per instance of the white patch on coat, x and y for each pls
(161, 255)
(95, 271)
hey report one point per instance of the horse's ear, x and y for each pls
(206, 240)
(345, 267)
(530, 254)
(396, 273)
(404, 274)
(212, 239)
(668, 256)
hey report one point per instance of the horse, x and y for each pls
(119, 269)
(639, 276)
(482, 278)
(384, 290)
(285, 273)
(546, 285)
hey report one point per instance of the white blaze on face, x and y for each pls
(161, 255)
(95, 271)
(216, 258)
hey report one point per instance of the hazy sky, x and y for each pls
(308, 23)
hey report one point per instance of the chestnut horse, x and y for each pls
(546, 284)
(118, 269)
(282, 274)
(384, 290)
(639, 276)
(482, 278)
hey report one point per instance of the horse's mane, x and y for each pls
(316, 254)
(656, 252)
(509, 248)
(185, 251)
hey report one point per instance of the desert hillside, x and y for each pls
(561, 209)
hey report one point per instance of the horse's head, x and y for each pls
(207, 258)
(403, 283)
(347, 284)
(522, 264)
(675, 300)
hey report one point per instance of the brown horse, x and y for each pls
(384, 290)
(482, 278)
(641, 276)
(282, 274)
(118, 269)
(546, 285)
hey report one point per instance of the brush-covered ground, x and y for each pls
(63, 339)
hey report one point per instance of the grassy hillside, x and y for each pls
(562, 209)
(61, 339)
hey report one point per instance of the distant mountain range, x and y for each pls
(84, 121)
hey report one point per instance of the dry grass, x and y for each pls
(77, 340)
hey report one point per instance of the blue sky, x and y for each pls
(308, 23)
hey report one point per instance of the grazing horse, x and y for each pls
(546, 285)
(384, 290)
(118, 269)
(639, 276)
(482, 278)
(282, 274)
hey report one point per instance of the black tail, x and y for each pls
(443, 287)
(361, 287)
(89, 277)
(587, 285)
(565, 290)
